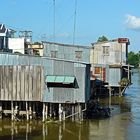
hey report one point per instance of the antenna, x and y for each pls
(54, 19)
(75, 14)
(26, 34)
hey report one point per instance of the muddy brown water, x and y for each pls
(124, 123)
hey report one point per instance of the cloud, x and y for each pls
(132, 22)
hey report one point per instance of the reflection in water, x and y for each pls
(124, 124)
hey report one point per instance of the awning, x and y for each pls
(61, 81)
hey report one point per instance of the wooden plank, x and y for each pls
(30, 83)
(18, 83)
(6, 83)
(26, 83)
(10, 81)
(38, 84)
(0, 81)
(14, 94)
(22, 83)
(42, 84)
(2, 85)
(34, 81)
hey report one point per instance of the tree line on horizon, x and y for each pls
(134, 58)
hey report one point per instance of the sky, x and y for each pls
(80, 22)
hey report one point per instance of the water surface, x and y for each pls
(124, 124)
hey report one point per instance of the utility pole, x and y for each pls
(26, 34)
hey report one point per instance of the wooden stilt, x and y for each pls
(27, 111)
(79, 111)
(12, 111)
(109, 99)
(16, 110)
(30, 111)
(43, 112)
(73, 111)
(46, 111)
(0, 109)
(64, 115)
(50, 112)
(34, 111)
(60, 112)
(120, 92)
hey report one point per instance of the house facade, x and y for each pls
(109, 61)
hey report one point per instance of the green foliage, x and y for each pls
(124, 82)
(102, 39)
(133, 58)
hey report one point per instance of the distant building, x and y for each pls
(67, 51)
(109, 61)
(17, 45)
(34, 48)
(110, 52)
(5, 33)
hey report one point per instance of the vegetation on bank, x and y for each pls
(134, 58)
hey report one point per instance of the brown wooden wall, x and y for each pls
(21, 83)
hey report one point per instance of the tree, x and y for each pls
(133, 59)
(102, 39)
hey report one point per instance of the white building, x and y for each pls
(17, 44)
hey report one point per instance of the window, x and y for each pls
(78, 55)
(105, 50)
(53, 54)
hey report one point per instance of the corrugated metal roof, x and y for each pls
(60, 79)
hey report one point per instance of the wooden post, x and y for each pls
(12, 111)
(30, 110)
(46, 111)
(60, 112)
(50, 111)
(120, 92)
(43, 112)
(0, 109)
(64, 115)
(109, 99)
(73, 111)
(27, 111)
(16, 109)
(79, 111)
(128, 72)
(34, 111)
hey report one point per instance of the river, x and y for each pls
(124, 123)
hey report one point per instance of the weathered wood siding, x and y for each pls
(21, 83)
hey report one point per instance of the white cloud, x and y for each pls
(132, 22)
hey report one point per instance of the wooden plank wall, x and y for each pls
(21, 83)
